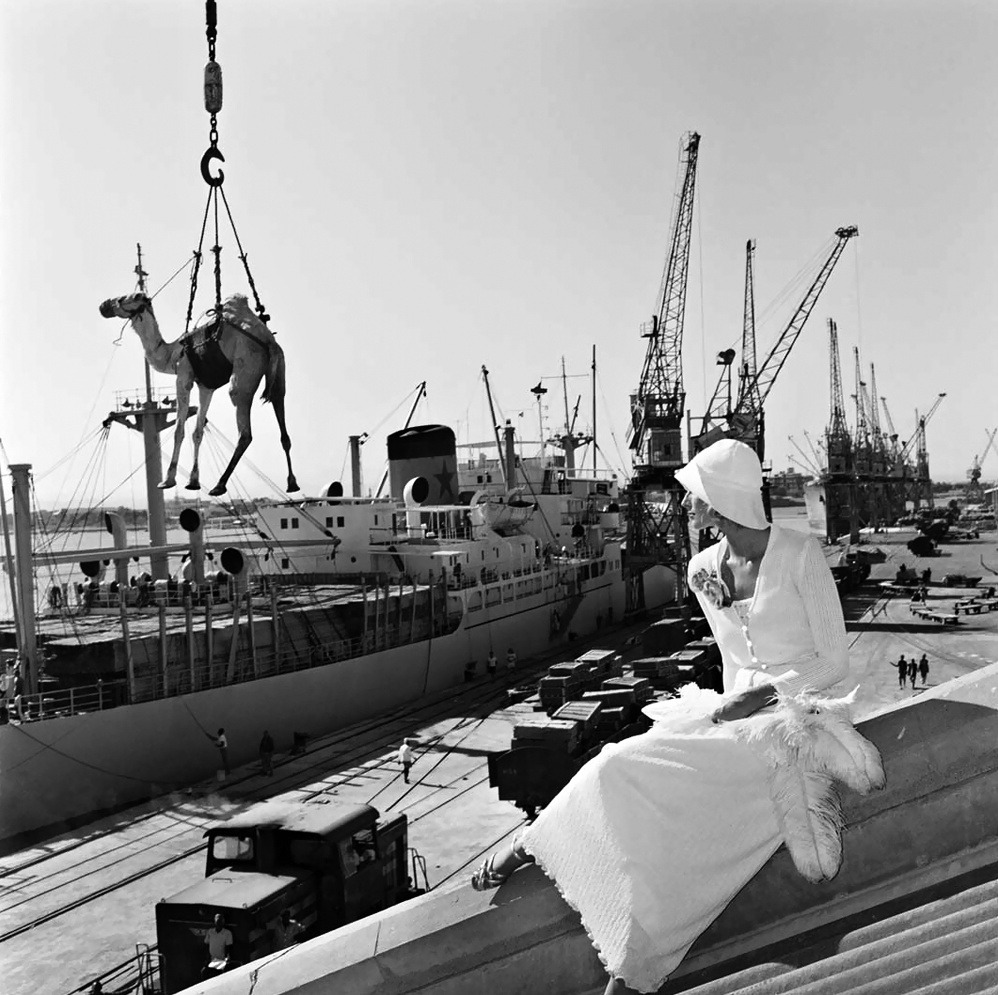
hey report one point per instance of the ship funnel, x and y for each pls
(426, 451)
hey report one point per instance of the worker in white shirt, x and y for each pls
(405, 757)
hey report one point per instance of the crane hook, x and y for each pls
(212, 153)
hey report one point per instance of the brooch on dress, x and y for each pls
(711, 587)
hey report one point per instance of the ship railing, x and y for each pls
(153, 682)
(53, 703)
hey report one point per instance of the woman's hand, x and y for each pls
(745, 703)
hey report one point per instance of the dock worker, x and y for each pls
(222, 742)
(218, 940)
(912, 672)
(923, 668)
(405, 758)
(511, 659)
(492, 664)
(286, 931)
(267, 754)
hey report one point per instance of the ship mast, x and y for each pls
(150, 417)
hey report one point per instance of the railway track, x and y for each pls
(111, 866)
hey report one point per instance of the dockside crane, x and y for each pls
(839, 479)
(974, 490)
(892, 434)
(866, 490)
(747, 422)
(720, 406)
(919, 486)
(657, 530)
(838, 441)
(879, 442)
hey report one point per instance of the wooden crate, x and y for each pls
(613, 698)
(664, 636)
(585, 712)
(639, 685)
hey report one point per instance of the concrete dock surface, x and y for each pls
(73, 907)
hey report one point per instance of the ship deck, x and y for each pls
(103, 625)
(114, 870)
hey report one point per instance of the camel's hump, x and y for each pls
(237, 309)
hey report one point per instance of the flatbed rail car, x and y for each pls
(587, 704)
(530, 776)
(325, 863)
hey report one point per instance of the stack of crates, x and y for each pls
(707, 665)
(585, 713)
(641, 686)
(664, 673)
(604, 663)
(619, 706)
(560, 735)
(664, 637)
(709, 648)
(557, 689)
(580, 670)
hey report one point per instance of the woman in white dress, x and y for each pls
(653, 837)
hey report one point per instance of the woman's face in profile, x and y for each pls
(701, 514)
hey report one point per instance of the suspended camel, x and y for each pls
(232, 345)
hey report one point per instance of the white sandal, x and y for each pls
(486, 876)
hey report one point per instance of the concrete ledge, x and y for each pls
(935, 818)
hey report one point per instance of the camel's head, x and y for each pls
(130, 306)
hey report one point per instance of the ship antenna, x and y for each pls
(141, 274)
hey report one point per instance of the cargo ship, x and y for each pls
(337, 610)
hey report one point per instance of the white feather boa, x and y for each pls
(809, 745)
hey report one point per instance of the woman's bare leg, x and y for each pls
(510, 858)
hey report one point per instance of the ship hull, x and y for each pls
(62, 772)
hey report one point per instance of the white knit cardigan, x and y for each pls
(791, 633)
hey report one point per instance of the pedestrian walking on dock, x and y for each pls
(267, 754)
(222, 742)
(493, 664)
(405, 759)
(923, 668)
(693, 778)
(511, 659)
(902, 666)
(912, 672)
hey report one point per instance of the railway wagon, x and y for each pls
(324, 862)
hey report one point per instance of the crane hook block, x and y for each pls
(212, 87)
(212, 153)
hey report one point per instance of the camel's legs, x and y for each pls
(285, 441)
(204, 399)
(243, 400)
(185, 380)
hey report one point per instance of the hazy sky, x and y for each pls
(426, 187)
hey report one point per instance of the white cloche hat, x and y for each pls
(728, 476)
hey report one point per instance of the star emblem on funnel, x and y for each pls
(445, 478)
